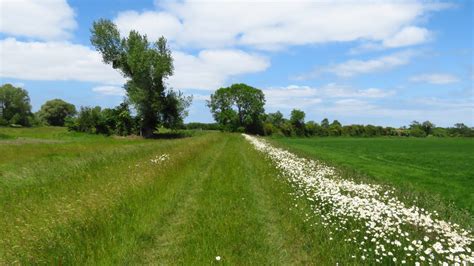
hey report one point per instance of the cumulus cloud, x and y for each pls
(54, 61)
(46, 19)
(210, 69)
(65, 61)
(109, 90)
(274, 25)
(435, 78)
(154, 24)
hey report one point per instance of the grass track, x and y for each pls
(216, 196)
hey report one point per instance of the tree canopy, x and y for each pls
(15, 106)
(238, 108)
(54, 112)
(146, 66)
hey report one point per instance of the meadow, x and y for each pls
(208, 198)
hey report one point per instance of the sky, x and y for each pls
(360, 62)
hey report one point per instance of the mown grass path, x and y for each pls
(214, 196)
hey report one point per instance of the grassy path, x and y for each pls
(215, 196)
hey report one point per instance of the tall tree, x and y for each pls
(15, 106)
(55, 112)
(297, 120)
(146, 65)
(238, 106)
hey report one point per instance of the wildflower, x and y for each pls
(218, 258)
(337, 200)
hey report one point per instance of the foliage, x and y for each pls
(175, 109)
(55, 112)
(460, 130)
(15, 108)
(297, 121)
(147, 66)
(202, 126)
(238, 108)
(296, 126)
(118, 121)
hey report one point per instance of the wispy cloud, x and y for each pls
(435, 78)
(294, 96)
(109, 90)
(355, 67)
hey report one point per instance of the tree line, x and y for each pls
(240, 108)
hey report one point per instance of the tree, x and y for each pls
(275, 118)
(428, 127)
(415, 124)
(147, 66)
(325, 123)
(15, 106)
(335, 129)
(90, 120)
(55, 112)
(297, 121)
(325, 127)
(238, 107)
(175, 109)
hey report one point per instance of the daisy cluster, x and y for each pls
(384, 228)
(160, 158)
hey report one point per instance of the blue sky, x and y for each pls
(384, 63)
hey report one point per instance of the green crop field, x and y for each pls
(72, 198)
(440, 167)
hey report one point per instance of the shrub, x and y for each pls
(417, 132)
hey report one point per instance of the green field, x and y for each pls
(71, 198)
(440, 167)
(83, 199)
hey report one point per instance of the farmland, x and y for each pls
(441, 167)
(73, 198)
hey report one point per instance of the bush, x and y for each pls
(417, 132)
(269, 129)
(440, 132)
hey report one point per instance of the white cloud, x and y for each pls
(45, 19)
(291, 97)
(54, 61)
(304, 96)
(109, 90)
(435, 78)
(273, 25)
(210, 69)
(154, 24)
(335, 90)
(354, 67)
(407, 36)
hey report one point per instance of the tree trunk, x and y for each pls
(147, 132)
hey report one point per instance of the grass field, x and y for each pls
(70, 198)
(73, 199)
(441, 167)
